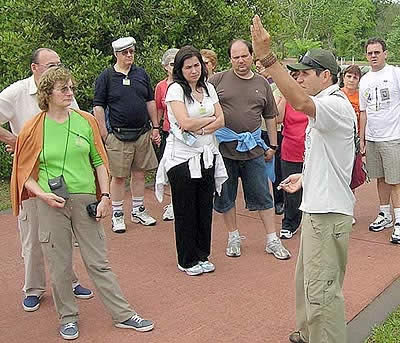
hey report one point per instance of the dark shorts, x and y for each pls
(254, 182)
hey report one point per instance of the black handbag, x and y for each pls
(130, 135)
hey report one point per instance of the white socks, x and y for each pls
(271, 237)
(386, 211)
(117, 206)
(137, 201)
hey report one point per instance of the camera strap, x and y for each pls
(65, 150)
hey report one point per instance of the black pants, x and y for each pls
(192, 200)
(291, 215)
(278, 194)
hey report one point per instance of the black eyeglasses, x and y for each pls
(65, 89)
(128, 51)
(308, 61)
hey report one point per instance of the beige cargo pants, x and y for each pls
(320, 270)
(35, 276)
(55, 234)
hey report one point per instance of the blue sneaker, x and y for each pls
(82, 292)
(69, 331)
(137, 323)
(31, 303)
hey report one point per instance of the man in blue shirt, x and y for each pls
(125, 91)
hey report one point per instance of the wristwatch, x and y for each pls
(273, 147)
(107, 195)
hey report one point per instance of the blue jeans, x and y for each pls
(254, 182)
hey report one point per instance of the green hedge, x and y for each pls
(81, 31)
(5, 163)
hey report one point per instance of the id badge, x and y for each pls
(202, 110)
(126, 82)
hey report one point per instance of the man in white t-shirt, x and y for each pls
(328, 201)
(380, 137)
(18, 104)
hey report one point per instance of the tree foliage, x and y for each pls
(81, 31)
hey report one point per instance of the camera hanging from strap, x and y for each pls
(57, 184)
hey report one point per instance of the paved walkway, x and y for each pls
(247, 299)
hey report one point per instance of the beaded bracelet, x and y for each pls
(268, 60)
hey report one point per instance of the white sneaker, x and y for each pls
(168, 213)
(381, 222)
(233, 247)
(207, 266)
(192, 271)
(118, 222)
(140, 215)
(395, 239)
(276, 248)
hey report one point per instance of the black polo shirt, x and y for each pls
(126, 100)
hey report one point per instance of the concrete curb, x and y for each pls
(360, 327)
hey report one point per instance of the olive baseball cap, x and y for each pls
(316, 59)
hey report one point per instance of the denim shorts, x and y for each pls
(254, 182)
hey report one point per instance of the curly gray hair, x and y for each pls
(168, 56)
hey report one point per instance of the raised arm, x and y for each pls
(289, 88)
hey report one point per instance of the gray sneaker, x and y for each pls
(137, 323)
(276, 248)
(69, 331)
(233, 247)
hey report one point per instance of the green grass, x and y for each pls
(5, 202)
(388, 331)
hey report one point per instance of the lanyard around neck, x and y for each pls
(65, 150)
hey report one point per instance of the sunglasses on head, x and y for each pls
(308, 61)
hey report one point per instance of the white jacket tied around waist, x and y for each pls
(176, 152)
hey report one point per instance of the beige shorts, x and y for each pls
(383, 161)
(127, 156)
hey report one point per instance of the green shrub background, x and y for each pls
(81, 31)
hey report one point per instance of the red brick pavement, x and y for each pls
(247, 299)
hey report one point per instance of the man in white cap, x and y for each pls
(124, 90)
(18, 104)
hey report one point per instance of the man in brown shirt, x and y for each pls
(246, 97)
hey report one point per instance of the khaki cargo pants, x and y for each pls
(321, 265)
(55, 234)
(28, 224)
